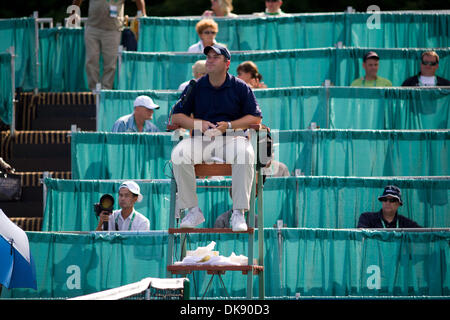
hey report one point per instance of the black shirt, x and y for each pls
(414, 81)
(375, 220)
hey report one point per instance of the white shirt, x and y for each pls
(138, 223)
(197, 47)
(428, 81)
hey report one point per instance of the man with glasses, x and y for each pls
(217, 102)
(427, 76)
(207, 30)
(388, 216)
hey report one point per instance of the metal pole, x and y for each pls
(45, 175)
(13, 92)
(36, 51)
(97, 90)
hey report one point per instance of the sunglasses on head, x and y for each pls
(209, 32)
(392, 200)
(428, 63)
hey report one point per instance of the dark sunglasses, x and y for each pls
(209, 32)
(392, 200)
(426, 63)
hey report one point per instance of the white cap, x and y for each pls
(145, 101)
(133, 187)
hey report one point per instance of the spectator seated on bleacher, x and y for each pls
(388, 216)
(198, 71)
(248, 71)
(126, 218)
(427, 76)
(220, 8)
(273, 8)
(207, 30)
(371, 79)
(140, 119)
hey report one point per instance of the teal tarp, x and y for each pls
(20, 34)
(379, 30)
(279, 68)
(312, 202)
(361, 153)
(309, 262)
(6, 89)
(334, 107)
(62, 60)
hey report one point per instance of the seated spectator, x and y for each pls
(198, 70)
(206, 30)
(126, 218)
(139, 120)
(248, 71)
(276, 169)
(224, 220)
(427, 75)
(273, 8)
(371, 79)
(388, 216)
(220, 8)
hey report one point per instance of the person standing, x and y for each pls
(102, 36)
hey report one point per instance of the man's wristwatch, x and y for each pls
(229, 125)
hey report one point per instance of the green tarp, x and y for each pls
(362, 153)
(62, 60)
(380, 30)
(307, 262)
(279, 68)
(20, 34)
(312, 202)
(6, 90)
(334, 107)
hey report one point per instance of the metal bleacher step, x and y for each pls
(37, 150)
(41, 142)
(30, 205)
(56, 111)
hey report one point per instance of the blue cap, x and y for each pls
(392, 191)
(219, 49)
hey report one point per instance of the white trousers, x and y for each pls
(236, 151)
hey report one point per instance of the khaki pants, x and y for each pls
(236, 151)
(106, 43)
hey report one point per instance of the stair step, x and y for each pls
(28, 223)
(22, 208)
(61, 105)
(64, 111)
(52, 123)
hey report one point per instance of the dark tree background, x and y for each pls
(57, 8)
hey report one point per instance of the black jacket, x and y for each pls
(414, 81)
(373, 220)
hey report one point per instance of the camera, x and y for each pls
(106, 203)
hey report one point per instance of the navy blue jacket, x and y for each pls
(373, 220)
(231, 101)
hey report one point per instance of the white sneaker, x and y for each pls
(238, 221)
(193, 218)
